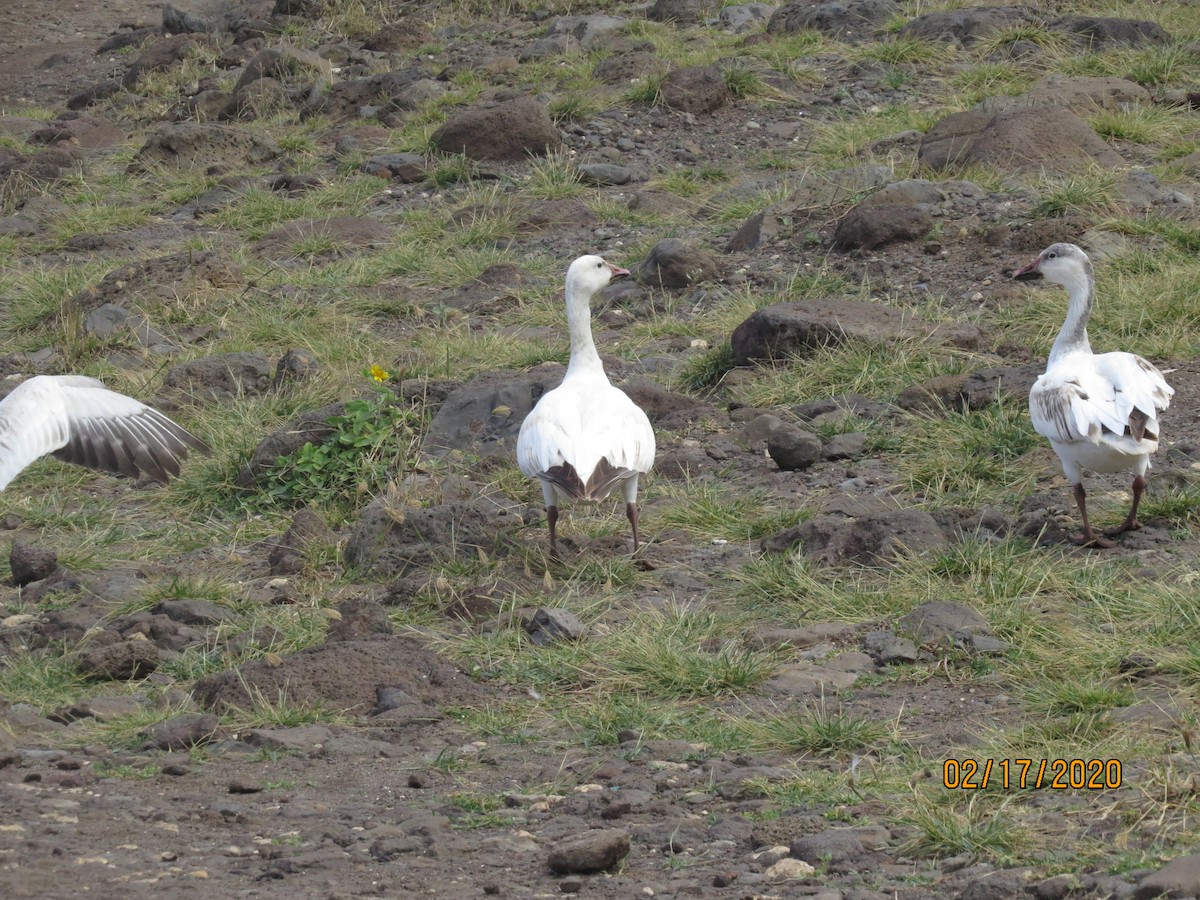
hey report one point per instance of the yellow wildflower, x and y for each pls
(378, 373)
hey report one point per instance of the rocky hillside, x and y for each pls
(336, 658)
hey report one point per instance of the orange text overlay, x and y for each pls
(1056, 774)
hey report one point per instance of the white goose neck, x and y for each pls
(1073, 337)
(584, 358)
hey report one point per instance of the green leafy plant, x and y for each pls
(371, 441)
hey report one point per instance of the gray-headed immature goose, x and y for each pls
(586, 438)
(1100, 411)
(81, 421)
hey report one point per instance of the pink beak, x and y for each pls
(617, 271)
(1029, 272)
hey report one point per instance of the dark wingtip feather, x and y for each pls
(147, 444)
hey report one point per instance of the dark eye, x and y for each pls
(1051, 255)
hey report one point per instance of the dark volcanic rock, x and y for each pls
(192, 145)
(798, 328)
(868, 539)
(695, 89)
(1017, 141)
(484, 416)
(878, 225)
(591, 851)
(181, 732)
(849, 20)
(1178, 878)
(221, 377)
(683, 12)
(546, 626)
(933, 622)
(359, 619)
(31, 563)
(1097, 32)
(389, 538)
(966, 26)
(793, 448)
(510, 131)
(672, 263)
(120, 662)
(307, 528)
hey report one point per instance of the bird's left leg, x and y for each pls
(629, 491)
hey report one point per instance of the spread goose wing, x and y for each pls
(80, 421)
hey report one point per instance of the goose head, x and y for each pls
(1063, 264)
(590, 273)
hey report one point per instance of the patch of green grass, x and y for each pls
(969, 457)
(280, 711)
(665, 657)
(708, 511)
(1090, 191)
(897, 51)
(647, 91)
(1065, 698)
(574, 106)
(105, 769)
(979, 828)
(45, 679)
(871, 369)
(1142, 124)
(1053, 43)
(821, 730)
(1172, 65)
(838, 140)
(990, 79)
(1178, 504)
(703, 372)
(553, 177)
(743, 82)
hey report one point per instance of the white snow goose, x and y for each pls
(1100, 411)
(586, 438)
(80, 421)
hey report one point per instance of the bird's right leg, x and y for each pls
(1089, 538)
(1131, 522)
(551, 501)
(552, 520)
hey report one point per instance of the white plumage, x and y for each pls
(80, 421)
(586, 438)
(1100, 412)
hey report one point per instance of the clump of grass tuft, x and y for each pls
(45, 679)
(573, 106)
(704, 372)
(648, 91)
(554, 177)
(1090, 191)
(980, 828)
(971, 457)
(665, 657)
(905, 51)
(822, 731)
(709, 512)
